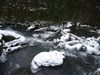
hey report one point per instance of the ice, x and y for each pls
(51, 58)
(91, 50)
(35, 35)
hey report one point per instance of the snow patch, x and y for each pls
(71, 42)
(43, 35)
(31, 27)
(52, 58)
(69, 24)
(10, 45)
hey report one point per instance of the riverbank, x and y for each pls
(55, 11)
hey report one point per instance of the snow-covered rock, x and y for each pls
(55, 28)
(10, 45)
(69, 24)
(72, 45)
(64, 38)
(72, 42)
(19, 39)
(31, 27)
(52, 58)
(68, 40)
(43, 35)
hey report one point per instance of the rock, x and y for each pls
(9, 41)
(51, 58)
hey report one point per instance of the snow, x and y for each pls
(11, 33)
(43, 35)
(67, 30)
(19, 39)
(71, 42)
(84, 25)
(51, 58)
(98, 39)
(98, 69)
(64, 38)
(98, 31)
(11, 45)
(30, 27)
(91, 50)
(74, 47)
(69, 24)
(0, 36)
(54, 28)
(92, 42)
(41, 29)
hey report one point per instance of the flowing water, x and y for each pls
(18, 62)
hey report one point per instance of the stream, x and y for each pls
(38, 25)
(18, 61)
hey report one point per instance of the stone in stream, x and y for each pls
(51, 58)
(10, 41)
(71, 43)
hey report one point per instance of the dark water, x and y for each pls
(20, 60)
(86, 11)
